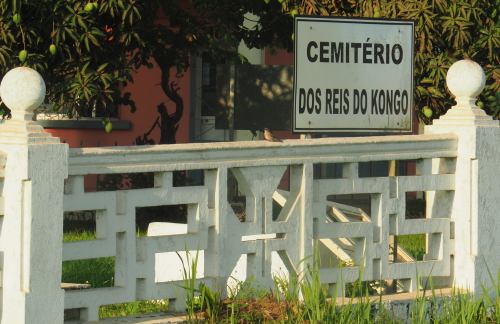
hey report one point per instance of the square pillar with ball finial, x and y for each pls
(32, 227)
(475, 211)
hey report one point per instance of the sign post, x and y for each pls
(353, 75)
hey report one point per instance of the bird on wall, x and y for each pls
(268, 136)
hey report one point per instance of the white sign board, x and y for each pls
(353, 75)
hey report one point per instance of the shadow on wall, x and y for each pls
(263, 97)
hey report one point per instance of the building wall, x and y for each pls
(277, 57)
(147, 94)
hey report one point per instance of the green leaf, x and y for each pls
(81, 23)
(93, 39)
(86, 42)
(71, 34)
(84, 68)
(427, 81)
(102, 67)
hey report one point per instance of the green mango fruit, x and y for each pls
(23, 55)
(427, 112)
(89, 7)
(52, 49)
(16, 18)
(108, 127)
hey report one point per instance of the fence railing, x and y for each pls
(255, 153)
(214, 228)
(249, 209)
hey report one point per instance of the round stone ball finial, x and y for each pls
(22, 90)
(465, 80)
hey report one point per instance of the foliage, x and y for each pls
(316, 306)
(189, 282)
(445, 31)
(87, 51)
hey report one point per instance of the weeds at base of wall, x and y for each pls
(306, 300)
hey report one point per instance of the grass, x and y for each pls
(99, 273)
(413, 244)
(133, 308)
(81, 235)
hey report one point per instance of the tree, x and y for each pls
(88, 50)
(445, 31)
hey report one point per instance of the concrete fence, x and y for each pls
(457, 163)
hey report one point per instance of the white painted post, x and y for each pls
(33, 192)
(476, 205)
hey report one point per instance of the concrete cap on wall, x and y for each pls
(22, 90)
(465, 79)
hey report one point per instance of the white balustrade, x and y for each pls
(214, 228)
(456, 161)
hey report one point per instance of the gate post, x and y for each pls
(476, 205)
(32, 227)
